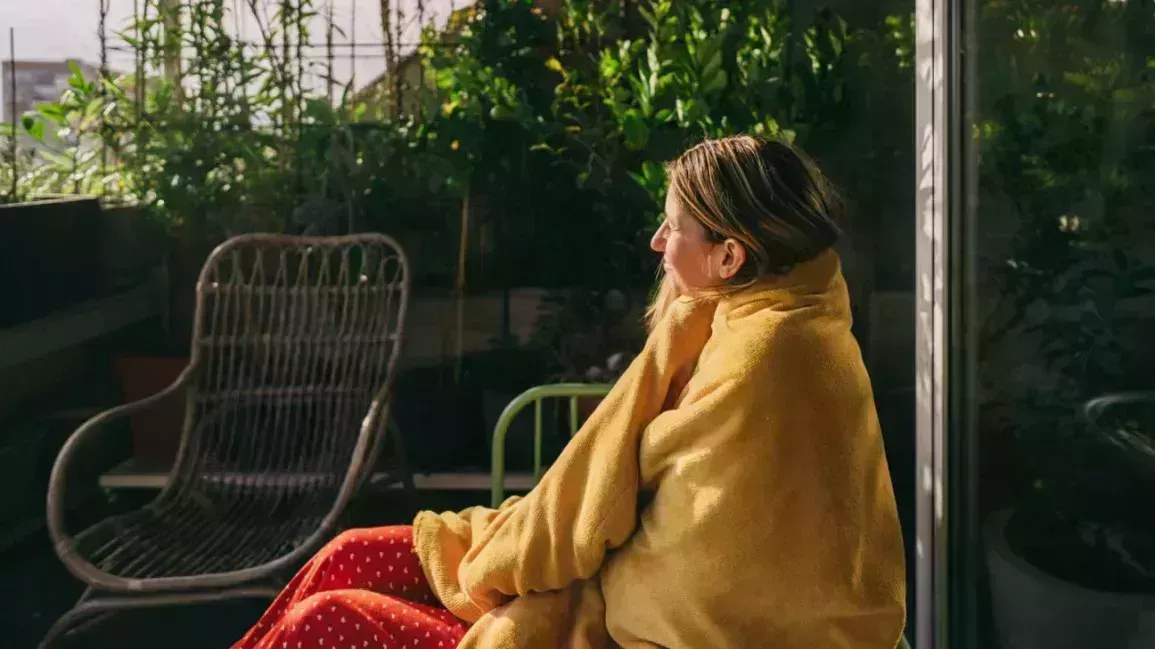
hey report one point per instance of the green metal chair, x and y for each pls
(571, 391)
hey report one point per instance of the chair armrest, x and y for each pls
(58, 480)
(1094, 408)
(572, 391)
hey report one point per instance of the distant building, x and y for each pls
(36, 82)
(378, 92)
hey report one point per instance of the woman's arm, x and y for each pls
(586, 502)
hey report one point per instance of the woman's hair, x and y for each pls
(765, 194)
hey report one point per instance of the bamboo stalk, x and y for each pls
(397, 72)
(459, 285)
(170, 10)
(329, 52)
(12, 137)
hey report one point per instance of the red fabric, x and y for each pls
(365, 588)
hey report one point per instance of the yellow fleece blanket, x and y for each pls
(731, 491)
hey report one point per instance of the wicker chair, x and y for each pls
(294, 350)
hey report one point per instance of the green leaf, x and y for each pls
(710, 50)
(501, 112)
(52, 111)
(93, 108)
(34, 127)
(320, 111)
(639, 178)
(714, 64)
(642, 94)
(767, 127)
(715, 83)
(58, 159)
(608, 65)
(634, 129)
(689, 111)
(37, 131)
(654, 172)
(664, 115)
(650, 19)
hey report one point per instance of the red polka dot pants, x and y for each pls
(364, 589)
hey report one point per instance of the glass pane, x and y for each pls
(1056, 253)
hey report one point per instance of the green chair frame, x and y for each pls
(535, 396)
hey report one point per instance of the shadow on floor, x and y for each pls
(36, 589)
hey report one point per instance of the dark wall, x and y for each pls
(49, 257)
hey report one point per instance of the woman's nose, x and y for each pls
(658, 241)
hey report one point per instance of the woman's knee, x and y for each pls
(346, 543)
(365, 537)
(308, 612)
(333, 616)
(352, 550)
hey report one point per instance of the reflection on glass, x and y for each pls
(1060, 347)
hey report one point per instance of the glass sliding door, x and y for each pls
(1036, 324)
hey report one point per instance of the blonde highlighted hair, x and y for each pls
(764, 194)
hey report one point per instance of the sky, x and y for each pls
(63, 29)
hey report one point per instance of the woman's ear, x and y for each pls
(733, 258)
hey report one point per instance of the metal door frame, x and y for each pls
(947, 550)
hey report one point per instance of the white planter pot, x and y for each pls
(1034, 610)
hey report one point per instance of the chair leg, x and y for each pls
(396, 469)
(81, 611)
(402, 465)
(89, 607)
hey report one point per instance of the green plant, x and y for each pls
(223, 141)
(589, 335)
(487, 77)
(1065, 142)
(629, 101)
(68, 137)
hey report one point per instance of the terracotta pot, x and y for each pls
(156, 430)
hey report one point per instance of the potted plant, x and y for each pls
(1067, 313)
(1072, 560)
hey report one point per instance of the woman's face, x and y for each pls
(689, 256)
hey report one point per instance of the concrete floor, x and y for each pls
(35, 590)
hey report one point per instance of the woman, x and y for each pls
(731, 491)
